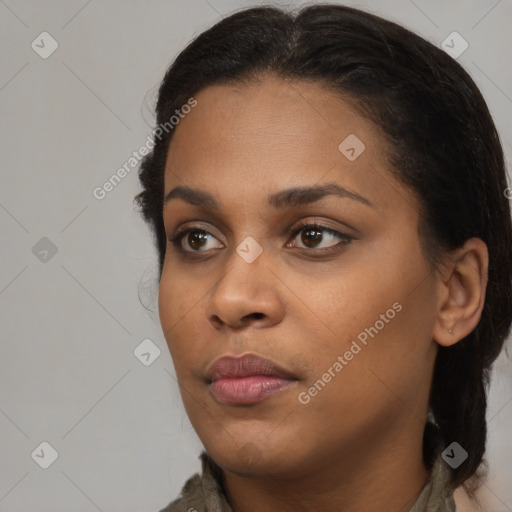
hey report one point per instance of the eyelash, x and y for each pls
(346, 239)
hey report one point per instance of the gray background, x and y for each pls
(72, 320)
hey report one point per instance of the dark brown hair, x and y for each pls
(442, 142)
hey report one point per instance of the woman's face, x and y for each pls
(346, 307)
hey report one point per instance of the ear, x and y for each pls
(461, 292)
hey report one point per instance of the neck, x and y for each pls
(362, 480)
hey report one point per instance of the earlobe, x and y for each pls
(462, 294)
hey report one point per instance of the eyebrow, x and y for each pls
(292, 197)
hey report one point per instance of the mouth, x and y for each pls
(247, 379)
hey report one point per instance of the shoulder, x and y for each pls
(202, 492)
(191, 498)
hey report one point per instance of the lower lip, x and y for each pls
(248, 390)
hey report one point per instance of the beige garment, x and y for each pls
(205, 493)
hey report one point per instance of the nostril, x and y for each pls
(258, 316)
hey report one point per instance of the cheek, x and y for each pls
(181, 304)
(378, 318)
(168, 305)
(180, 294)
(344, 303)
(374, 383)
(177, 305)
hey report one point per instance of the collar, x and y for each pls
(206, 492)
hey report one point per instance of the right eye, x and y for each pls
(193, 237)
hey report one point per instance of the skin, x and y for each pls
(357, 444)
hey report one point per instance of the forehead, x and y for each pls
(297, 112)
(271, 134)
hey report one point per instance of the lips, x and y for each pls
(247, 365)
(247, 379)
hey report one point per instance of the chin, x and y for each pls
(247, 458)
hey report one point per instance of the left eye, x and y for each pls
(314, 234)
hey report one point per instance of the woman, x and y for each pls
(327, 193)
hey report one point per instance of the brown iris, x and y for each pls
(310, 236)
(195, 239)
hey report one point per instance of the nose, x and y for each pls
(246, 294)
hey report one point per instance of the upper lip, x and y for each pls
(245, 365)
